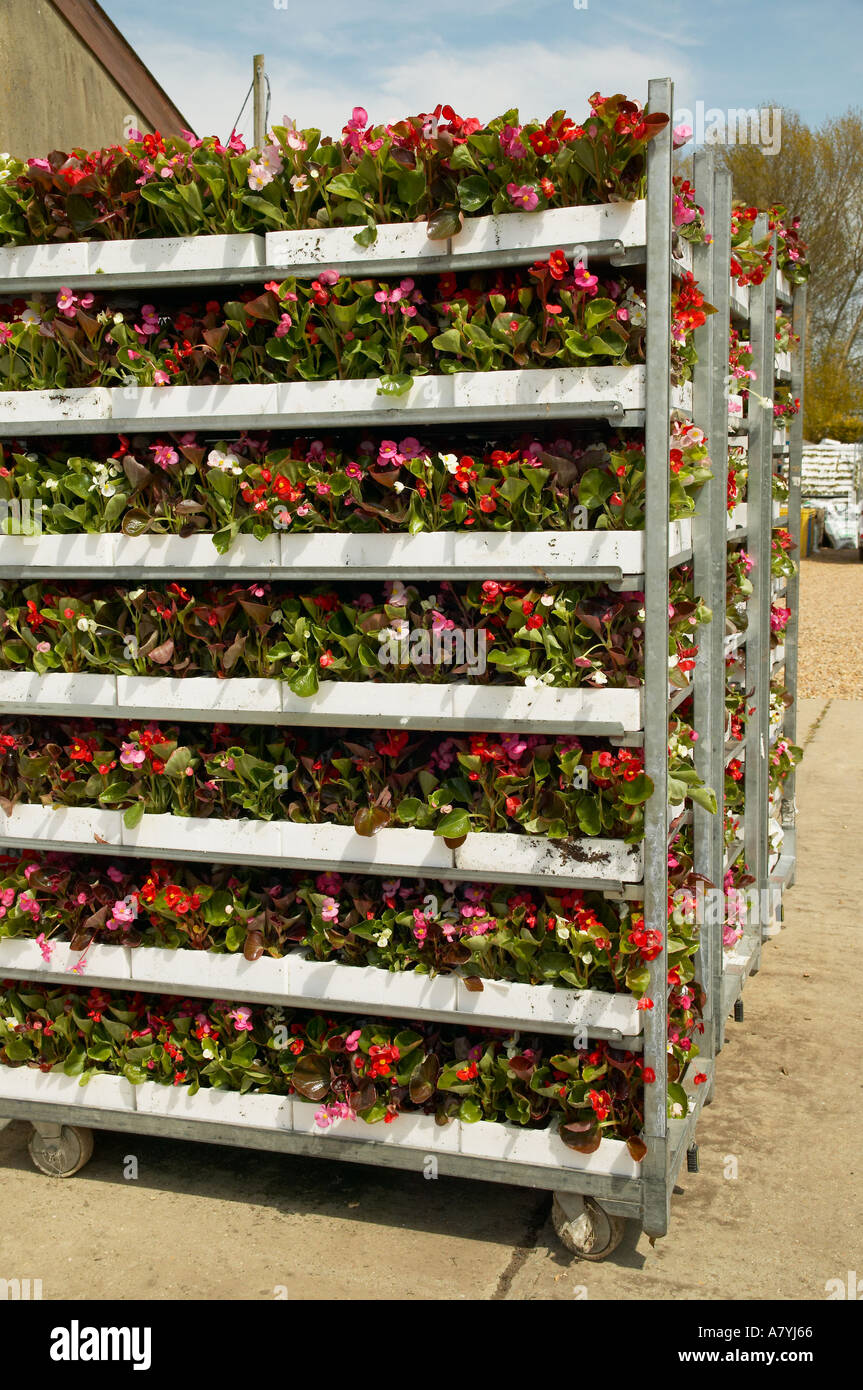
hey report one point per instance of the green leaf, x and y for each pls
(473, 193)
(703, 796)
(596, 311)
(367, 237)
(450, 341)
(179, 760)
(444, 223)
(454, 824)
(395, 385)
(132, 816)
(411, 186)
(304, 682)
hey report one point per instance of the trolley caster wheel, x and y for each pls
(62, 1154)
(585, 1228)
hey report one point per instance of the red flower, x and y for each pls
(393, 745)
(81, 750)
(648, 1075)
(512, 804)
(557, 263)
(534, 621)
(326, 658)
(699, 1078)
(601, 1102)
(468, 1073)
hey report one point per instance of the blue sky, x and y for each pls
(396, 57)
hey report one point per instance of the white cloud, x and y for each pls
(538, 78)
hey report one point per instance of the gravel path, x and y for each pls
(831, 625)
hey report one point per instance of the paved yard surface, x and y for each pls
(208, 1222)
(831, 625)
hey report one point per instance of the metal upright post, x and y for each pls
(655, 1165)
(708, 548)
(710, 557)
(259, 100)
(760, 526)
(795, 464)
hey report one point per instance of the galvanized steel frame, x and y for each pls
(792, 631)
(648, 1196)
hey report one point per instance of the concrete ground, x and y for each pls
(214, 1223)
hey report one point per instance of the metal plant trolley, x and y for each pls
(593, 1192)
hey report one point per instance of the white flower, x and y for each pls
(547, 600)
(398, 487)
(271, 159)
(225, 462)
(398, 594)
(299, 183)
(538, 682)
(30, 316)
(52, 483)
(107, 489)
(599, 678)
(118, 318)
(450, 462)
(259, 176)
(85, 625)
(641, 615)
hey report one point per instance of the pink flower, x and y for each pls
(44, 946)
(164, 455)
(331, 277)
(584, 280)
(242, 1017)
(511, 144)
(161, 379)
(67, 302)
(522, 196)
(43, 646)
(682, 214)
(353, 470)
(330, 910)
(284, 326)
(682, 134)
(328, 883)
(352, 1041)
(131, 755)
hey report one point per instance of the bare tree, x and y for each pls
(818, 176)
